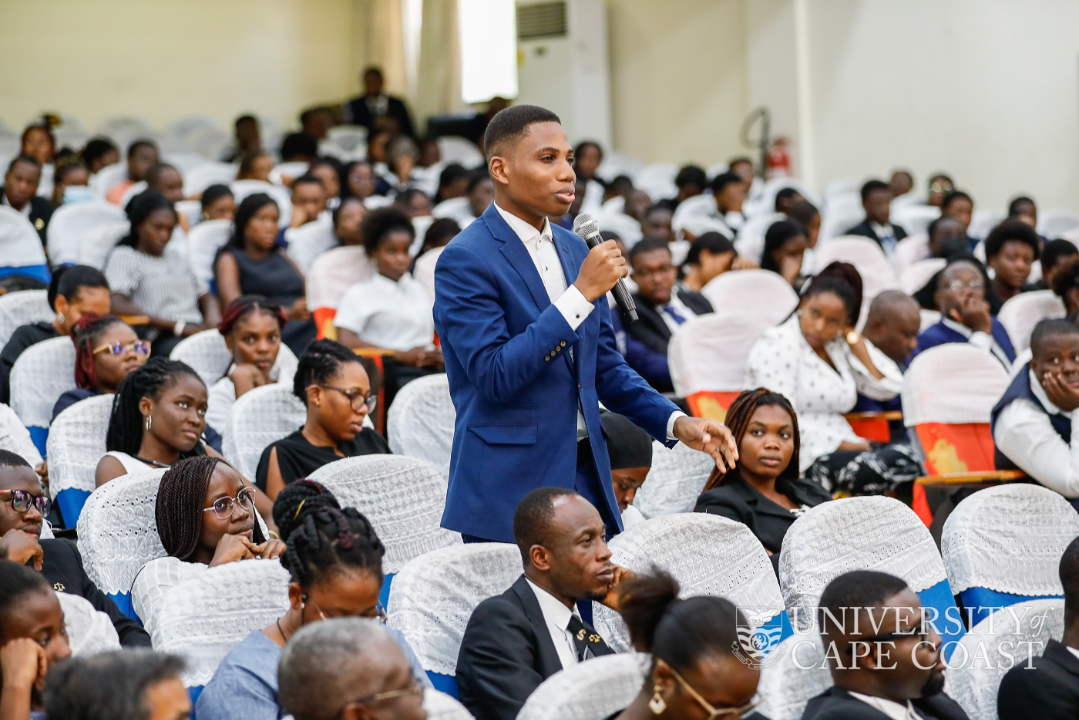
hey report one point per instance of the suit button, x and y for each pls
(563, 343)
(547, 357)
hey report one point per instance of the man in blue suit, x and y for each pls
(521, 311)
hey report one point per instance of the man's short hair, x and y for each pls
(723, 180)
(1013, 206)
(533, 516)
(511, 125)
(154, 173)
(1054, 327)
(645, 245)
(888, 299)
(1069, 578)
(307, 179)
(856, 589)
(786, 193)
(133, 147)
(1012, 230)
(872, 186)
(108, 686)
(245, 119)
(1056, 250)
(298, 144)
(10, 459)
(953, 196)
(28, 159)
(372, 69)
(691, 175)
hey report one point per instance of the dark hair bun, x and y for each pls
(296, 501)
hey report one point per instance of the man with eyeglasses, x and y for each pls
(23, 507)
(884, 655)
(348, 668)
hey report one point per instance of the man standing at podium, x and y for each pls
(522, 314)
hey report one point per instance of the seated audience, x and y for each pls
(147, 281)
(1045, 686)
(1010, 250)
(586, 160)
(24, 504)
(1032, 424)
(252, 263)
(947, 238)
(99, 153)
(938, 186)
(20, 192)
(308, 200)
(453, 183)
(402, 153)
(630, 451)
(247, 138)
(361, 181)
(374, 108)
(131, 685)
(957, 204)
(328, 170)
(298, 147)
(73, 291)
(743, 167)
(876, 201)
(255, 166)
(106, 351)
(335, 559)
(1053, 255)
(316, 122)
(1065, 285)
(344, 667)
(141, 156)
(167, 180)
(709, 256)
(218, 203)
(807, 215)
(437, 237)
(901, 183)
(820, 364)
(38, 142)
(965, 314)
(899, 673)
(729, 192)
(430, 153)
(785, 245)
(656, 222)
(891, 326)
(1023, 209)
(70, 181)
(333, 386)
(33, 640)
(481, 193)
(786, 199)
(414, 202)
(763, 491)
(691, 181)
(694, 672)
(516, 640)
(347, 218)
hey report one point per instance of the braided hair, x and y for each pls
(85, 334)
(318, 364)
(126, 422)
(139, 209)
(245, 305)
(181, 497)
(738, 416)
(321, 536)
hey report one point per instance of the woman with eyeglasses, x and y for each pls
(335, 559)
(107, 350)
(335, 389)
(695, 672)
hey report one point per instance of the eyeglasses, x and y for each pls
(22, 500)
(714, 713)
(379, 615)
(141, 347)
(225, 506)
(356, 398)
(964, 285)
(412, 690)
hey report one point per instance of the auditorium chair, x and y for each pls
(592, 690)
(421, 422)
(22, 308)
(14, 437)
(20, 247)
(89, 631)
(209, 356)
(203, 242)
(675, 480)
(72, 223)
(44, 372)
(1021, 313)
(258, 418)
(76, 443)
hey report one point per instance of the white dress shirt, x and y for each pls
(891, 708)
(980, 340)
(25, 208)
(1026, 436)
(557, 617)
(886, 233)
(395, 315)
(678, 306)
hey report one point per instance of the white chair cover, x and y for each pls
(866, 256)
(212, 173)
(1010, 636)
(184, 126)
(350, 138)
(107, 178)
(424, 269)
(627, 228)
(709, 352)
(14, 437)
(433, 596)
(440, 706)
(459, 209)
(703, 204)
(983, 221)
(954, 383)
(592, 690)
(203, 618)
(124, 125)
(71, 223)
(242, 188)
(693, 226)
(914, 218)
(1009, 539)
(89, 631)
(307, 242)
(22, 308)
(616, 163)
(835, 222)
(420, 422)
(657, 180)
(910, 250)
(209, 356)
(20, 245)
(76, 443)
(209, 142)
(131, 192)
(402, 497)
(707, 554)
(914, 277)
(677, 477)
(291, 170)
(759, 293)
(1021, 313)
(203, 242)
(459, 150)
(258, 418)
(1055, 223)
(798, 673)
(859, 533)
(118, 530)
(191, 210)
(333, 272)
(44, 372)
(750, 242)
(929, 318)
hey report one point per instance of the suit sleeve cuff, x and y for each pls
(574, 307)
(671, 421)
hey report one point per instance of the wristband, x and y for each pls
(178, 328)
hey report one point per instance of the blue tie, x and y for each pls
(674, 314)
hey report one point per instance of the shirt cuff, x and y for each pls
(574, 307)
(982, 341)
(671, 421)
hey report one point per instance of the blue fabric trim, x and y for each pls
(70, 502)
(948, 621)
(444, 683)
(384, 595)
(193, 693)
(979, 603)
(779, 622)
(39, 435)
(123, 601)
(38, 272)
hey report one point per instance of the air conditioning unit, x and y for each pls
(562, 64)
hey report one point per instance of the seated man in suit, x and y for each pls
(661, 308)
(516, 640)
(1050, 689)
(373, 109)
(884, 654)
(892, 326)
(19, 192)
(630, 449)
(965, 316)
(23, 506)
(1032, 424)
(876, 200)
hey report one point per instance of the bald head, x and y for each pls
(892, 325)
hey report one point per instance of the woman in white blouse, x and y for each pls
(817, 360)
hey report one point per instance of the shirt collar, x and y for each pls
(554, 612)
(890, 708)
(958, 327)
(1039, 392)
(523, 230)
(882, 230)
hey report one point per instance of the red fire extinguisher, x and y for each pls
(779, 159)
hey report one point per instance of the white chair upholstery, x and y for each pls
(750, 242)
(459, 150)
(76, 443)
(1009, 636)
(212, 173)
(71, 223)
(910, 250)
(928, 318)
(291, 170)
(914, 218)
(350, 138)
(657, 180)
(708, 555)
(698, 205)
(131, 192)
(402, 497)
(203, 242)
(874, 533)
(459, 209)
(307, 242)
(1021, 313)
(953, 383)
(798, 673)
(914, 277)
(209, 142)
(1009, 539)
(433, 596)
(191, 210)
(759, 293)
(866, 256)
(43, 373)
(203, 618)
(983, 221)
(107, 178)
(124, 125)
(709, 352)
(22, 308)
(440, 706)
(1056, 223)
(184, 126)
(333, 272)
(258, 418)
(677, 477)
(14, 437)
(206, 353)
(420, 423)
(835, 222)
(592, 690)
(99, 241)
(627, 228)
(89, 631)
(20, 245)
(616, 163)
(424, 270)
(242, 188)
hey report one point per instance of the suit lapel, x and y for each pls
(515, 251)
(548, 656)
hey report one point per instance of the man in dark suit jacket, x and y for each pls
(1050, 689)
(884, 654)
(516, 640)
(371, 107)
(19, 192)
(876, 200)
(58, 560)
(661, 307)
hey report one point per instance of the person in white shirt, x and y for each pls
(876, 199)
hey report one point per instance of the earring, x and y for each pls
(60, 318)
(657, 704)
(149, 421)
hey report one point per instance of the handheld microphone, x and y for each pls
(588, 229)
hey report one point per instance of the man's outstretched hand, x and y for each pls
(708, 436)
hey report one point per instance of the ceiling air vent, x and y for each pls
(541, 20)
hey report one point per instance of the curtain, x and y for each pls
(439, 76)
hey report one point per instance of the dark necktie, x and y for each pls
(586, 641)
(674, 314)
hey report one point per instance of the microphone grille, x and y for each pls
(585, 225)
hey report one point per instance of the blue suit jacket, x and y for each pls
(514, 384)
(941, 334)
